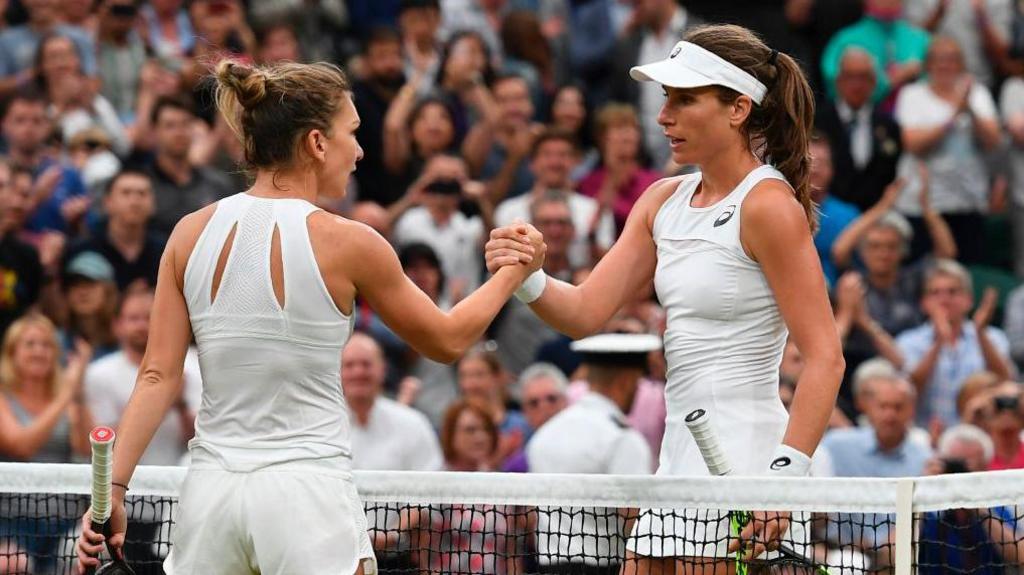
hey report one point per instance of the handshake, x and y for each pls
(519, 244)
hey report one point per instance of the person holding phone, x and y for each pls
(989, 540)
(429, 213)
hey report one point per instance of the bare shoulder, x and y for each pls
(184, 238)
(339, 243)
(772, 216)
(655, 196)
(772, 202)
(341, 235)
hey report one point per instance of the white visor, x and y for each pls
(690, 66)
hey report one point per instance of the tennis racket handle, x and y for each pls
(699, 423)
(98, 528)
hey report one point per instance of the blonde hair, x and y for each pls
(271, 108)
(8, 374)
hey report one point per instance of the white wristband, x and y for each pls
(532, 287)
(789, 462)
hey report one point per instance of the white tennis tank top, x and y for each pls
(725, 335)
(271, 375)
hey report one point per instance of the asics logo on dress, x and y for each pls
(726, 215)
(780, 463)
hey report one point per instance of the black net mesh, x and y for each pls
(38, 531)
(971, 541)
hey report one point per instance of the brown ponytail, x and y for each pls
(780, 127)
(271, 108)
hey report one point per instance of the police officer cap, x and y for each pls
(617, 349)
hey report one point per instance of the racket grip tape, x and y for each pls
(699, 423)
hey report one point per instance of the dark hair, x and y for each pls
(264, 31)
(523, 39)
(172, 102)
(28, 94)
(417, 252)
(585, 134)
(40, 80)
(271, 108)
(134, 289)
(551, 134)
(418, 110)
(404, 5)
(508, 77)
(381, 35)
(130, 171)
(779, 128)
(446, 53)
(451, 417)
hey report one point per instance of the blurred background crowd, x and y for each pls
(478, 112)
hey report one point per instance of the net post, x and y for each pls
(904, 526)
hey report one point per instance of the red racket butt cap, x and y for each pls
(102, 434)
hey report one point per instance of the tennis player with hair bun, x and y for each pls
(731, 256)
(265, 281)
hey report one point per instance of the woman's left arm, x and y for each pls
(776, 235)
(79, 415)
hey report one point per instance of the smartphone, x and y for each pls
(954, 465)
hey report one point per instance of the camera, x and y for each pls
(445, 187)
(954, 465)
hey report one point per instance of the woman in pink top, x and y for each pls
(1004, 422)
(620, 179)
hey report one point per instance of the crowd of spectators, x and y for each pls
(476, 113)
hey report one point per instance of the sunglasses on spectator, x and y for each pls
(535, 402)
(1006, 402)
(90, 145)
(124, 10)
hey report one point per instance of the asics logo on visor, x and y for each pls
(780, 463)
(726, 215)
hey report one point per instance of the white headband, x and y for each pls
(690, 66)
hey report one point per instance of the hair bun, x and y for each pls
(249, 84)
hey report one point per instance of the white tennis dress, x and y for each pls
(723, 345)
(269, 489)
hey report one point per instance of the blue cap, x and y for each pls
(90, 265)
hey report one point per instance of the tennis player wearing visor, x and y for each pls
(729, 250)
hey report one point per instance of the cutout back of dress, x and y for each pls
(271, 372)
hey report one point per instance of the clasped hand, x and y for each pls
(518, 243)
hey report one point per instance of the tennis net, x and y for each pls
(471, 523)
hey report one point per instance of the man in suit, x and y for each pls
(865, 140)
(656, 26)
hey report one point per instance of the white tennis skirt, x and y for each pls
(706, 533)
(271, 521)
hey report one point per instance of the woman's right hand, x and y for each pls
(90, 543)
(519, 243)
